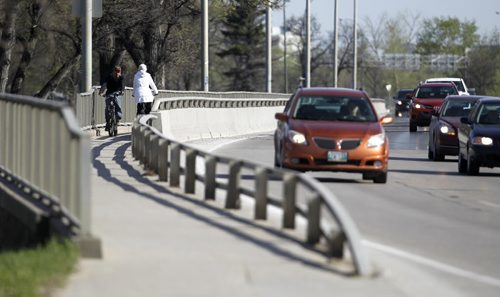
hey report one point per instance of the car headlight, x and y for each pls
(446, 129)
(376, 140)
(297, 137)
(418, 106)
(400, 102)
(482, 140)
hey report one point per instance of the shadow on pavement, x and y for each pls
(119, 158)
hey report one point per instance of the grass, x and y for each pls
(36, 272)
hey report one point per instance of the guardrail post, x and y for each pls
(260, 212)
(336, 244)
(153, 152)
(210, 172)
(163, 159)
(190, 175)
(289, 197)
(140, 144)
(313, 219)
(233, 187)
(134, 141)
(175, 166)
(146, 150)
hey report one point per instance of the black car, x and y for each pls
(444, 124)
(479, 137)
(402, 101)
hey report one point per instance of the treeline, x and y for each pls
(40, 47)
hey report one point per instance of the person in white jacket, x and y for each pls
(144, 90)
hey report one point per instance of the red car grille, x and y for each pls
(331, 144)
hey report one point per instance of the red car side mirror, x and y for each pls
(281, 116)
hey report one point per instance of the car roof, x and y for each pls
(334, 91)
(488, 99)
(437, 84)
(443, 78)
(405, 90)
(461, 97)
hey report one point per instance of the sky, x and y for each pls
(483, 12)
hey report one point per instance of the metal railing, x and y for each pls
(317, 205)
(90, 106)
(46, 156)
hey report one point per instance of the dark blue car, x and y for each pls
(479, 137)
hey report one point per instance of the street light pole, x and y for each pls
(86, 64)
(355, 49)
(285, 66)
(269, 60)
(204, 45)
(308, 43)
(335, 48)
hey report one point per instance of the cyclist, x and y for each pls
(144, 90)
(113, 84)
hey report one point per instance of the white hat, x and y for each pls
(143, 67)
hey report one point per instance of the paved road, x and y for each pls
(427, 213)
(160, 242)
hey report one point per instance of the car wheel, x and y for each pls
(413, 126)
(462, 164)
(278, 157)
(380, 178)
(436, 155)
(472, 166)
(277, 162)
(430, 153)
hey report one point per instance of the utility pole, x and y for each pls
(204, 45)
(308, 43)
(355, 49)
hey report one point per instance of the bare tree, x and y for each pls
(7, 39)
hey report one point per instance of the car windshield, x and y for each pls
(458, 84)
(489, 114)
(435, 92)
(402, 94)
(334, 108)
(457, 108)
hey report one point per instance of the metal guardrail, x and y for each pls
(165, 157)
(90, 106)
(46, 156)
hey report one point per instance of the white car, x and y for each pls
(462, 88)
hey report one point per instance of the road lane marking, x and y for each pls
(434, 264)
(491, 204)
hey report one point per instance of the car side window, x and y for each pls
(289, 103)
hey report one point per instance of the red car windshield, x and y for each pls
(333, 108)
(436, 92)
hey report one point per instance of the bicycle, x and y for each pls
(112, 119)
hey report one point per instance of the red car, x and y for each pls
(332, 129)
(428, 97)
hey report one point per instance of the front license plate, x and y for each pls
(337, 156)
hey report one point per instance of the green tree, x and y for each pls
(483, 66)
(446, 36)
(243, 43)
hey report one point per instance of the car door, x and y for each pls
(465, 129)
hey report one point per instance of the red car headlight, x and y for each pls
(297, 137)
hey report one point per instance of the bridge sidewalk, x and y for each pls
(160, 242)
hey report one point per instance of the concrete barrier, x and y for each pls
(227, 118)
